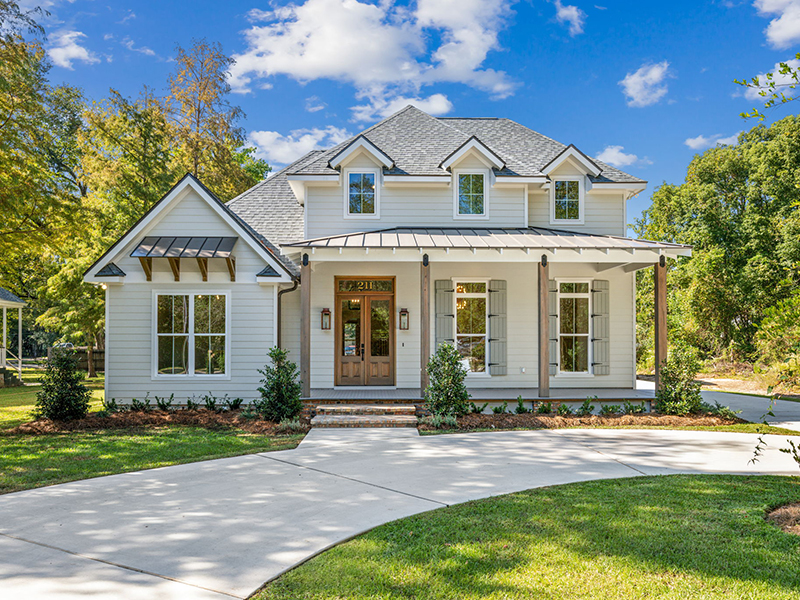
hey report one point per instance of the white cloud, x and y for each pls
(571, 15)
(784, 29)
(65, 48)
(614, 155)
(129, 44)
(382, 49)
(129, 17)
(314, 104)
(752, 93)
(378, 107)
(646, 85)
(280, 149)
(701, 142)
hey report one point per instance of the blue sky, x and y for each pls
(643, 85)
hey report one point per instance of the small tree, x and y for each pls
(446, 393)
(63, 395)
(679, 393)
(280, 394)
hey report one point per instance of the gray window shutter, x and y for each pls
(444, 306)
(601, 330)
(552, 305)
(498, 346)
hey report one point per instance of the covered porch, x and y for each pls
(531, 260)
(10, 360)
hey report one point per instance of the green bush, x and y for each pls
(679, 393)
(281, 392)
(778, 336)
(446, 393)
(521, 409)
(501, 409)
(440, 421)
(609, 410)
(477, 410)
(63, 395)
(564, 410)
(294, 425)
(544, 408)
(587, 408)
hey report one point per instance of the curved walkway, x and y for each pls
(219, 529)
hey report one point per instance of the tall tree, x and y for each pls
(212, 144)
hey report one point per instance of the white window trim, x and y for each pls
(486, 186)
(581, 197)
(590, 357)
(190, 374)
(346, 196)
(456, 296)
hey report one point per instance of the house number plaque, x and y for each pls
(365, 285)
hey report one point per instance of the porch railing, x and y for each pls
(8, 358)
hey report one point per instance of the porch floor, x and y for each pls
(487, 394)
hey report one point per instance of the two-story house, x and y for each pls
(362, 259)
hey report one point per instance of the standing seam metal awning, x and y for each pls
(185, 247)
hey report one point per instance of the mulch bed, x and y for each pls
(533, 421)
(787, 518)
(152, 419)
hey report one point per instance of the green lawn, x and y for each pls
(670, 537)
(35, 461)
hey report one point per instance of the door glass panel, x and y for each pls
(351, 326)
(380, 327)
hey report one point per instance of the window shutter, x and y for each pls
(444, 306)
(498, 346)
(601, 330)
(552, 304)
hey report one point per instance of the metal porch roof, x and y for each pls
(184, 247)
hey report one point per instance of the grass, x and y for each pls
(669, 537)
(35, 461)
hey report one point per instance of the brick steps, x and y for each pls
(365, 415)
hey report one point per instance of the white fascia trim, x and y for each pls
(361, 143)
(519, 180)
(480, 148)
(428, 179)
(298, 184)
(177, 194)
(576, 155)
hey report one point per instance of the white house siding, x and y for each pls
(522, 320)
(290, 324)
(130, 312)
(409, 205)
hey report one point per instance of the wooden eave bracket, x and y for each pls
(147, 267)
(175, 265)
(231, 262)
(202, 263)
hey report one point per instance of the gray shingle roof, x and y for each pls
(6, 296)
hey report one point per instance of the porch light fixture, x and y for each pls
(404, 319)
(326, 318)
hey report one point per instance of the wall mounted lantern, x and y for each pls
(404, 319)
(326, 318)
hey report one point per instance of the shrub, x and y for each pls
(440, 421)
(564, 410)
(63, 395)
(165, 404)
(608, 410)
(191, 404)
(500, 410)
(249, 412)
(110, 406)
(778, 335)
(291, 426)
(477, 410)
(141, 405)
(210, 402)
(587, 408)
(446, 393)
(718, 410)
(679, 393)
(521, 409)
(280, 392)
(234, 404)
(629, 408)
(544, 408)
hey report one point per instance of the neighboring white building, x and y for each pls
(363, 258)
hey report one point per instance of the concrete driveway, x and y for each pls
(219, 529)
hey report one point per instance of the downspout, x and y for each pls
(280, 322)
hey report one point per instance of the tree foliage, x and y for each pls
(739, 209)
(280, 390)
(446, 393)
(63, 396)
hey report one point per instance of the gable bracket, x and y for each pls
(231, 262)
(175, 265)
(202, 263)
(147, 267)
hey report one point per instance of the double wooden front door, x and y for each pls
(364, 339)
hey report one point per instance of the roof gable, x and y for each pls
(475, 147)
(360, 143)
(571, 153)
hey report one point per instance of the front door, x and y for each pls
(364, 338)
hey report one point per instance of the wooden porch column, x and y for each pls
(305, 326)
(425, 323)
(544, 328)
(660, 285)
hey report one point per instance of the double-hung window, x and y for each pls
(472, 324)
(361, 194)
(191, 335)
(567, 201)
(471, 195)
(574, 301)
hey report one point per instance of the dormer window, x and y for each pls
(471, 195)
(361, 194)
(567, 201)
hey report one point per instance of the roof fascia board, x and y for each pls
(417, 180)
(473, 144)
(571, 152)
(361, 143)
(298, 184)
